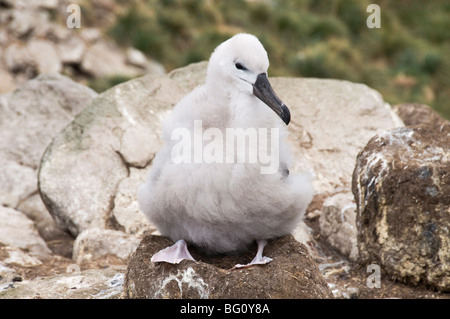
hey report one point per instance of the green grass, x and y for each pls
(325, 39)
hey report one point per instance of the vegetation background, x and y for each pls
(406, 60)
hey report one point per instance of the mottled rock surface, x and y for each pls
(291, 274)
(88, 284)
(415, 114)
(337, 224)
(17, 231)
(95, 242)
(109, 144)
(401, 184)
(29, 118)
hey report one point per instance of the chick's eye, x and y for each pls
(240, 66)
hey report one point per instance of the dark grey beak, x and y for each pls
(263, 91)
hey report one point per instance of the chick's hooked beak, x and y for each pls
(263, 91)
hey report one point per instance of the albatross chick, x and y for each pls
(221, 181)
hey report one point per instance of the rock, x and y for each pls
(115, 139)
(16, 256)
(137, 58)
(29, 118)
(22, 22)
(71, 50)
(7, 82)
(351, 113)
(90, 35)
(291, 274)
(337, 224)
(126, 208)
(16, 230)
(401, 184)
(35, 210)
(43, 55)
(83, 167)
(6, 275)
(103, 59)
(59, 242)
(17, 59)
(88, 284)
(415, 114)
(94, 243)
(27, 4)
(43, 106)
(17, 182)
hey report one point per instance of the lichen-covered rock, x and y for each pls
(88, 284)
(29, 118)
(401, 184)
(104, 147)
(94, 243)
(291, 274)
(337, 224)
(415, 114)
(16, 230)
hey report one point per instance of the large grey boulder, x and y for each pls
(331, 120)
(113, 140)
(31, 115)
(29, 118)
(19, 234)
(401, 185)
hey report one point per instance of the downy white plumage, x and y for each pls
(223, 207)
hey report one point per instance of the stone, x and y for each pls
(71, 50)
(16, 230)
(415, 114)
(337, 224)
(17, 59)
(35, 210)
(43, 106)
(83, 167)
(87, 284)
(17, 182)
(137, 58)
(16, 256)
(94, 243)
(7, 82)
(29, 118)
(103, 59)
(44, 56)
(22, 22)
(401, 185)
(90, 35)
(291, 274)
(126, 208)
(351, 113)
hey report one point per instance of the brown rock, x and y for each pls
(415, 114)
(291, 274)
(401, 185)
